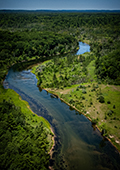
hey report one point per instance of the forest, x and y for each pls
(90, 79)
(25, 138)
(23, 46)
(25, 36)
(23, 154)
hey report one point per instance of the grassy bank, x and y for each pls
(105, 115)
(25, 137)
(11, 96)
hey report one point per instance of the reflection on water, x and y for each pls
(83, 48)
(78, 145)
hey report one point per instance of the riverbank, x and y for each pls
(32, 119)
(113, 139)
(85, 99)
(18, 103)
(26, 83)
(74, 81)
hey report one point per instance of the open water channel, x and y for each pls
(78, 145)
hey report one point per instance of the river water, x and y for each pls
(78, 145)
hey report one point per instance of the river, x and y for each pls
(78, 145)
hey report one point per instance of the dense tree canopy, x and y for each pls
(22, 146)
(28, 36)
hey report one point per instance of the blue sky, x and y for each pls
(60, 4)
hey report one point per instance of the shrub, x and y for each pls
(101, 99)
(61, 95)
(95, 121)
(110, 112)
(84, 91)
(62, 87)
(83, 98)
(71, 101)
(81, 86)
(105, 117)
(108, 102)
(104, 132)
(113, 106)
(99, 82)
(96, 86)
(91, 101)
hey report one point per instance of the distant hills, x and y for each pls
(59, 11)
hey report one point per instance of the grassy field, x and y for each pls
(106, 115)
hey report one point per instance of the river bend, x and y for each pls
(78, 145)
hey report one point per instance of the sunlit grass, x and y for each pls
(89, 104)
(12, 96)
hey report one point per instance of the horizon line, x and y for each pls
(61, 9)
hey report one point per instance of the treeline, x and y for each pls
(107, 52)
(108, 67)
(26, 36)
(22, 145)
(57, 20)
(19, 46)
